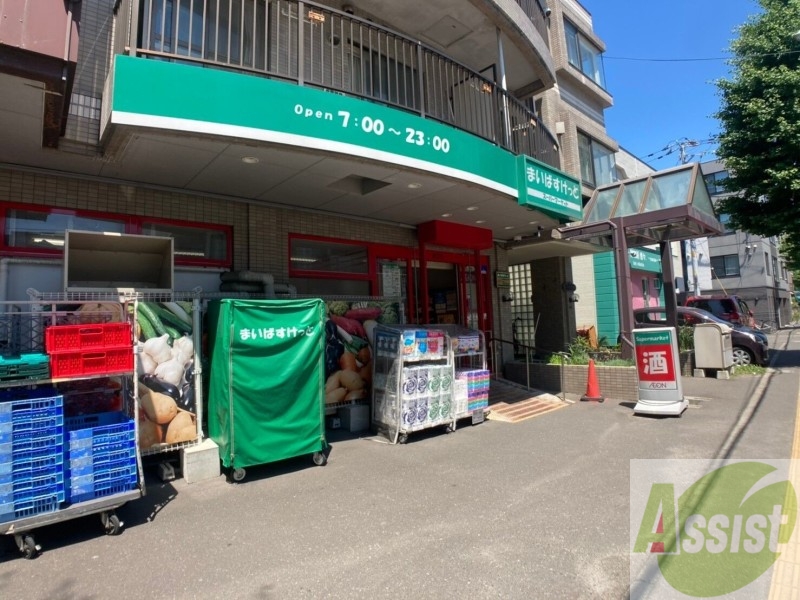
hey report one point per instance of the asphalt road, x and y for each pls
(537, 509)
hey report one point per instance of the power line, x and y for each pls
(680, 145)
(732, 56)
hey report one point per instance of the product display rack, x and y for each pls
(412, 380)
(471, 385)
(53, 466)
(49, 301)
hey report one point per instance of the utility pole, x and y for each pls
(695, 284)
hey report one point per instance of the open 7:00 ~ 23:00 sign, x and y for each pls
(377, 127)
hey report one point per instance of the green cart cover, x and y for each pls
(266, 387)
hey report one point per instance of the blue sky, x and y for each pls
(660, 102)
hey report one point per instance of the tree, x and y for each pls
(760, 124)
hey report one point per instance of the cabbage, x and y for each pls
(338, 307)
(389, 316)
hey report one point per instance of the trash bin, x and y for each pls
(713, 346)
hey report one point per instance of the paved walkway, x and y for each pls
(537, 509)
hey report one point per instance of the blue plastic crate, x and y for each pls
(86, 465)
(33, 503)
(26, 467)
(23, 393)
(22, 404)
(33, 428)
(101, 455)
(28, 486)
(103, 483)
(99, 429)
(33, 446)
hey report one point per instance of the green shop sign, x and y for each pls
(644, 259)
(651, 338)
(160, 94)
(549, 190)
(150, 93)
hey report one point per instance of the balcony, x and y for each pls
(313, 45)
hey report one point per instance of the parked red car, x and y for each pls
(727, 308)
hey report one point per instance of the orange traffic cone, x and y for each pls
(592, 386)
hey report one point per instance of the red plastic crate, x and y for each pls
(92, 362)
(90, 336)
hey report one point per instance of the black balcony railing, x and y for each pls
(315, 45)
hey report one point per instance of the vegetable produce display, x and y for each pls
(348, 347)
(166, 374)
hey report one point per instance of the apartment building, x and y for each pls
(562, 274)
(747, 265)
(343, 149)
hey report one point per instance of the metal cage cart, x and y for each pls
(68, 400)
(412, 380)
(265, 400)
(169, 340)
(472, 378)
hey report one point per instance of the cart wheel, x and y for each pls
(27, 545)
(403, 438)
(238, 474)
(319, 459)
(111, 523)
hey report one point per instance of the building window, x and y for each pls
(327, 256)
(192, 243)
(766, 263)
(725, 266)
(715, 182)
(775, 268)
(329, 267)
(523, 326)
(583, 55)
(44, 229)
(725, 220)
(597, 162)
(39, 231)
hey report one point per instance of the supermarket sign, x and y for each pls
(658, 368)
(644, 259)
(246, 334)
(544, 188)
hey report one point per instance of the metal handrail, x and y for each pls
(561, 355)
(494, 353)
(315, 45)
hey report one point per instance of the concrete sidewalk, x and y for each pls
(535, 509)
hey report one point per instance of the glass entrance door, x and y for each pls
(475, 296)
(443, 304)
(458, 293)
